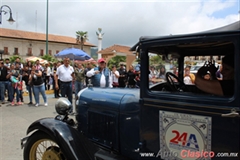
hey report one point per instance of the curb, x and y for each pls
(47, 92)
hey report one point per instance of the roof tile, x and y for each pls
(38, 36)
(116, 49)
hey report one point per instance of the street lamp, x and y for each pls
(47, 30)
(10, 20)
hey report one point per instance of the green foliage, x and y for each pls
(156, 60)
(81, 37)
(116, 60)
(14, 57)
(45, 57)
(95, 57)
(49, 58)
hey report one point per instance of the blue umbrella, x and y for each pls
(73, 54)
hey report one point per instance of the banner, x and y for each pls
(187, 136)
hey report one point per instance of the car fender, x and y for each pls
(73, 144)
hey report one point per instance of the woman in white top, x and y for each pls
(115, 76)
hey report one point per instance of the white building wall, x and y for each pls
(36, 46)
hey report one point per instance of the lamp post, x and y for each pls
(47, 30)
(10, 20)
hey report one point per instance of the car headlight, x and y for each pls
(62, 106)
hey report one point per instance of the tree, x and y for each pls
(13, 58)
(49, 58)
(82, 37)
(116, 60)
(156, 60)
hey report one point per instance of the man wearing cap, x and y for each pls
(123, 76)
(65, 73)
(100, 75)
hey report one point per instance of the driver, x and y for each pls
(223, 87)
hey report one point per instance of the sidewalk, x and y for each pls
(47, 92)
(14, 121)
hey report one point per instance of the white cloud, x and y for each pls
(123, 22)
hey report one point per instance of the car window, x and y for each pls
(159, 66)
(196, 62)
(166, 75)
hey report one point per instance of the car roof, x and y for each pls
(231, 28)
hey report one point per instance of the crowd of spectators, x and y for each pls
(37, 78)
(116, 77)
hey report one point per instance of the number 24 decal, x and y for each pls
(182, 138)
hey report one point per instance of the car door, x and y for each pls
(189, 126)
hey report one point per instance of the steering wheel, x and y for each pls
(170, 80)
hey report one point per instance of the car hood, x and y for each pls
(105, 97)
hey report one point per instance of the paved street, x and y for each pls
(14, 121)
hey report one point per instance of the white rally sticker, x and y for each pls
(184, 136)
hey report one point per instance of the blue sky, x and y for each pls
(122, 21)
(234, 9)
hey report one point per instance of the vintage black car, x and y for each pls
(163, 119)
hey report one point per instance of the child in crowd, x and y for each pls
(15, 76)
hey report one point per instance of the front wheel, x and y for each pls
(40, 146)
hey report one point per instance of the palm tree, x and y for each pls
(81, 37)
(116, 61)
